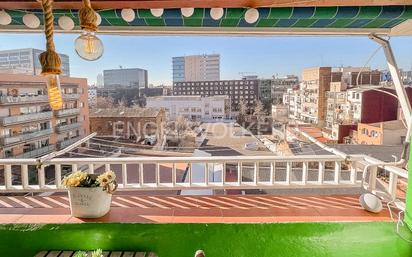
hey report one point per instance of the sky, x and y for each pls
(263, 56)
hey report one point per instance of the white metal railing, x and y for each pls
(180, 173)
(26, 136)
(176, 173)
(66, 112)
(25, 118)
(23, 99)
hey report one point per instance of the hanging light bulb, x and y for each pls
(88, 46)
(50, 59)
(54, 91)
(5, 18)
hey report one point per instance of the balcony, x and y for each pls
(67, 112)
(22, 138)
(63, 128)
(10, 120)
(23, 99)
(66, 143)
(36, 152)
(71, 96)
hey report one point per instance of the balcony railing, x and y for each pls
(182, 173)
(67, 127)
(67, 112)
(71, 96)
(65, 143)
(25, 136)
(23, 99)
(36, 152)
(25, 118)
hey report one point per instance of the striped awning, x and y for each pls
(287, 17)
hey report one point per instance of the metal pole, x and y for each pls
(394, 71)
(406, 110)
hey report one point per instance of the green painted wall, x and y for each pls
(408, 212)
(363, 239)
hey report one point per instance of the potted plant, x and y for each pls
(90, 195)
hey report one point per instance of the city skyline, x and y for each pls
(263, 56)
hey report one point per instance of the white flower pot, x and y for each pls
(89, 202)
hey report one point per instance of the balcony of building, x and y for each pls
(24, 118)
(67, 112)
(34, 153)
(24, 137)
(66, 127)
(22, 99)
(71, 96)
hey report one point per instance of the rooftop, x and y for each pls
(124, 112)
(229, 139)
(390, 125)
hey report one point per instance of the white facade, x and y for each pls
(192, 107)
(92, 96)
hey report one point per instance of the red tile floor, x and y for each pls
(193, 209)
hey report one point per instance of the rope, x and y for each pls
(88, 17)
(50, 60)
(48, 23)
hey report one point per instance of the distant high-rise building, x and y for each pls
(26, 61)
(99, 80)
(133, 77)
(204, 67)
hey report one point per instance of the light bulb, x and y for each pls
(88, 46)
(54, 91)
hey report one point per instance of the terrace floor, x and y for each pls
(127, 208)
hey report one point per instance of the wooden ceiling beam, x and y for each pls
(146, 4)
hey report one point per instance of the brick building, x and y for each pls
(128, 123)
(28, 127)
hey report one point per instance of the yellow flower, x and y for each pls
(74, 179)
(106, 178)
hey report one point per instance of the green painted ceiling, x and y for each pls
(298, 17)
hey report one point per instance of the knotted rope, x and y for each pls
(88, 17)
(49, 60)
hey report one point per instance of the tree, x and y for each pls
(259, 110)
(104, 102)
(242, 111)
(181, 125)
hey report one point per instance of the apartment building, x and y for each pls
(28, 127)
(293, 99)
(280, 85)
(381, 133)
(26, 61)
(245, 89)
(203, 67)
(315, 83)
(192, 107)
(92, 96)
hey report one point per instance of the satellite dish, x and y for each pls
(371, 202)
